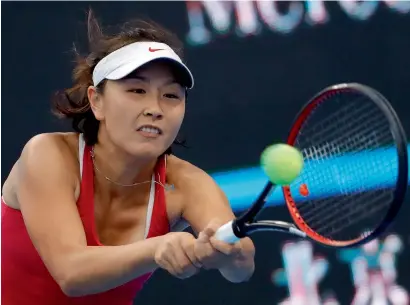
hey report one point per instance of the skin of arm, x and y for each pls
(206, 208)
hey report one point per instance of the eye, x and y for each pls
(137, 91)
(172, 96)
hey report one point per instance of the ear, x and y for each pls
(96, 102)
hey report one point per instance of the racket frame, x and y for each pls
(399, 136)
(245, 224)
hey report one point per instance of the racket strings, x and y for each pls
(319, 131)
(316, 156)
(351, 136)
(342, 218)
(352, 218)
(343, 142)
(327, 120)
(319, 215)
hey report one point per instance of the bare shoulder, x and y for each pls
(183, 173)
(42, 149)
(52, 145)
(202, 199)
(65, 142)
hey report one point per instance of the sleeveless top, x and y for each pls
(24, 278)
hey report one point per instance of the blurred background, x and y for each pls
(255, 64)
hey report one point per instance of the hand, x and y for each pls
(176, 255)
(216, 254)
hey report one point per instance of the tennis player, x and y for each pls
(88, 216)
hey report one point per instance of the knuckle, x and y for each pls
(166, 246)
(178, 270)
(229, 250)
(190, 271)
(185, 270)
(158, 256)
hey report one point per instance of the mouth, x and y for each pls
(150, 130)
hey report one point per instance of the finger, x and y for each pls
(213, 226)
(208, 256)
(209, 231)
(203, 249)
(168, 266)
(190, 253)
(203, 238)
(183, 262)
(172, 259)
(225, 248)
(174, 265)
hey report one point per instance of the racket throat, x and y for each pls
(239, 228)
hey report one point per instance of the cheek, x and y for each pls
(119, 116)
(115, 113)
(120, 107)
(178, 119)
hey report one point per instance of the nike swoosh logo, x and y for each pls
(154, 50)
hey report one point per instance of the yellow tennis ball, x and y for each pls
(282, 163)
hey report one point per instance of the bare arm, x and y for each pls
(204, 201)
(46, 196)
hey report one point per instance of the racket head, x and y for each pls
(377, 128)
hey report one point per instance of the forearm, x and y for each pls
(98, 269)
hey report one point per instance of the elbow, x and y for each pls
(71, 286)
(69, 289)
(68, 273)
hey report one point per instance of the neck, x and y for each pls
(121, 170)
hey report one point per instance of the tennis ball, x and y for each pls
(282, 163)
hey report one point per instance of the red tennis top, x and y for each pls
(24, 277)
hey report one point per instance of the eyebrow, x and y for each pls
(146, 79)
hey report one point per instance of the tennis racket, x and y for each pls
(355, 171)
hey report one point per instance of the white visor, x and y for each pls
(125, 60)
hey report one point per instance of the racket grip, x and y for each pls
(226, 234)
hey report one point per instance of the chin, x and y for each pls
(147, 150)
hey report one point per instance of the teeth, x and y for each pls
(150, 129)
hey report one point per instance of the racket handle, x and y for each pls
(226, 234)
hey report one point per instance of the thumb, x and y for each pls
(209, 231)
(203, 237)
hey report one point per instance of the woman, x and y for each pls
(86, 216)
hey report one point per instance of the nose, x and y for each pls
(156, 115)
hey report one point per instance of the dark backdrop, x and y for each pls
(248, 88)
